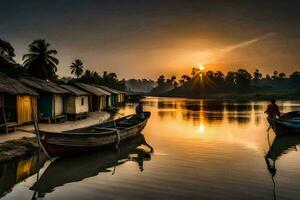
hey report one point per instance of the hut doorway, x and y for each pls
(10, 108)
(25, 108)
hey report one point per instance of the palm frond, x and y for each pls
(52, 51)
(55, 60)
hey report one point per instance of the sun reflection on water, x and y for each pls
(201, 129)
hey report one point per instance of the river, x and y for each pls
(203, 149)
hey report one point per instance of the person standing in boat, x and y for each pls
(139, 110)
(273, 110)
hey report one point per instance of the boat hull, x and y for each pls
(82, 142)
(282, 128)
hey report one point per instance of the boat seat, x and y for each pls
(104, 128)
(125, 123)
(108, 129)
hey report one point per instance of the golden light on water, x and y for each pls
(201, 128)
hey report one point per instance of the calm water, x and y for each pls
(201, 149)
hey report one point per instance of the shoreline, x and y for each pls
(22, 143)
(233, 98)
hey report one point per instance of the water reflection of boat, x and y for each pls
(72, 169)
(12, 173)
(93, 137)
(281, 145)
(287, 124)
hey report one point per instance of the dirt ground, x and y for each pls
(27, 130)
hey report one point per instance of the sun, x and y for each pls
(201, 67)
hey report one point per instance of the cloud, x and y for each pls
(214, 55)
(247, 42)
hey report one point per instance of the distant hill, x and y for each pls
(139, 86)
(162, 89)
(191, 89)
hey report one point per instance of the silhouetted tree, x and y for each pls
(77, 68)
(161, 80)
(257, 75)
(282, 75)
(40, 60)
(7, 63)
(295, 78)
(268, 77)
(195, 71)
(7, 52)
(230, 80)
(275, 75)
(219, 78)
(243, 79)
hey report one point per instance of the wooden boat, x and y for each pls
(77, 168)
(94, 137)
(288, 123)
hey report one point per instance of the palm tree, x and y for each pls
(41, 62)
(77, 68)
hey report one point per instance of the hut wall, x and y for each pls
(82, 104)
(24, 108)
(45, 105)
(69, 105)
(102, 102)
(58, 104)
(108, 101)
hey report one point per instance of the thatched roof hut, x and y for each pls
(91, 89)
(17, 103)
(77, 103)
(74, 90)
(13, 87)
(51, 101)
(99, 99)
(117, 95)
(44, 85)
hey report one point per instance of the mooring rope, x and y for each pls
(118, 136)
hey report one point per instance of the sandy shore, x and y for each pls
(24, 131)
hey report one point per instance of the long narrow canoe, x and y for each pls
(94, 137)
(287, 124)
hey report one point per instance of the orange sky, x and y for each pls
(143, 39)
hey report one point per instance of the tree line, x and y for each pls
(240, 80)
(41, 62)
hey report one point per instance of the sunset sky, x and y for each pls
(146, 38)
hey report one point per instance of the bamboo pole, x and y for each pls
(3, 113)
(37, 129)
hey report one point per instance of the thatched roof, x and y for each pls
(74, 90)
(114, 91)
(91, 89)
(103, 90)
(14, 87)
(44, 85)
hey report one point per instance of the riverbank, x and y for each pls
(22, 143)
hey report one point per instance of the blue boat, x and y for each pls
(286, 124)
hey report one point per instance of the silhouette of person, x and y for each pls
(273, 110)
(139, 110)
